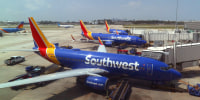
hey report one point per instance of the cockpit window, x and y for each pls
(165, 68)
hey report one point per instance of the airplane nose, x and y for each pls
(176, 74)
(144, 42)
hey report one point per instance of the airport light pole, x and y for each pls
(176, 30)
(176, 16)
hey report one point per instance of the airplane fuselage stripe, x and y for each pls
(38, 39)
(47, 50)
(90, 36)
(4, 30)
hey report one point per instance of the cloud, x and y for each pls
(36, 4)
(133, 3)
(31, 6)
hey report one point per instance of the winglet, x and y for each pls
(117, 32)
(73, 37)
(107, 27)
(100, 41)
(21, 25)
(101, 47)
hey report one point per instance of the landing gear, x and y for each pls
(173, 86)
(1, 34)
(169, 86)
(80, 80)
(153, 84)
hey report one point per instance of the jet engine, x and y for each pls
(108, 43)
(96, 82)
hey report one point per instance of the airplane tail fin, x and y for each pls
(84, 29)
(107, 27)
(58, 24)
(21, 25)
(39, 38)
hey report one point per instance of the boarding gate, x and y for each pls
(165, 36)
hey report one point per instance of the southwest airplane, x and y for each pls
(10, 30)
(116, 31)
(97, 67)
(110, 39)
(65, 26)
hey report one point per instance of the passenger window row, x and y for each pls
(71, 59)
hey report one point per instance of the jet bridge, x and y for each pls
(121, 91)
(182, 56)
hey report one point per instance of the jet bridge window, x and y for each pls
(154, 55)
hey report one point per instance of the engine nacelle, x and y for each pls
(96, 82)
(108, 43)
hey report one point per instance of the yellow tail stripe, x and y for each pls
(49, 45)
(51, 55)
(90, 35)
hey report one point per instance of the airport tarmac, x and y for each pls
(67, 89)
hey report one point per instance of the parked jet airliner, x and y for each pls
(65, 26)
(116, 31)
(111, 39)
(94, 65)
(10, 30)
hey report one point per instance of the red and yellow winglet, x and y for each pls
(86, 33)
(117, 32)
(107, 27)
(47, 49)
(100, 41)
(73, 37)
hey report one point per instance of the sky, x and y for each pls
(87, 10)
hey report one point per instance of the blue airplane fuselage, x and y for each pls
(117, 64)
(120, 32)
(114, 38)
(10, 30)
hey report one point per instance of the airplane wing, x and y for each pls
(28, 50)
(88, 40)
(54, 76)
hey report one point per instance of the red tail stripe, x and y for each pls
(20, 26)
(107, 27)
(73, 37)
(100, 41)
(36, 36)
(85, 32)
(83, 27)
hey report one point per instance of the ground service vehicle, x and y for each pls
(31, 71)
(14, 60)
(195, 90)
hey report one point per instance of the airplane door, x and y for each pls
(149, 69)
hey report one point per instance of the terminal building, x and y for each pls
(178, 56)
(192, 26)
